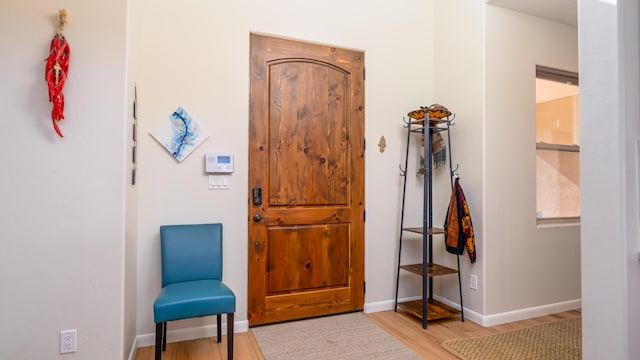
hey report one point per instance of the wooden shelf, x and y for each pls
(435, 309)
(432, 269)
(419, 230)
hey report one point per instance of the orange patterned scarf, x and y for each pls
(458, 226)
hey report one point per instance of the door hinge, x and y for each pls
(364, 215)
(364, 287)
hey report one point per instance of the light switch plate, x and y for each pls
(219, 182)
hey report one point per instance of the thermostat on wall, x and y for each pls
(218, 163)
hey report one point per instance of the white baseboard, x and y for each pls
(200, 332)
(385, 305)
(378, 306)
(522, 314)
(487, 320)
(134, 349)
(468, 313)
(192, 333)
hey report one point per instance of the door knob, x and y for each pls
(257, 217)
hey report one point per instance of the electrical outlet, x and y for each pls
(68, 342)
(473, 282)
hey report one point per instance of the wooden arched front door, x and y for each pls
(306, 180)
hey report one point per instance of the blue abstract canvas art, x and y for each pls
(180, 135)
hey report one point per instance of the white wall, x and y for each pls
(526, 266)
(196, 54)
(459, 85)
(61, 254)
(485, 72)
(629, 13)
(131, 203)
(609, 92)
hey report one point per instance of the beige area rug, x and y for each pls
(560, 340)
(349, 336)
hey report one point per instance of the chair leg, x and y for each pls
(159, 327)
(230, 336)
(164, 336)
(219, 327)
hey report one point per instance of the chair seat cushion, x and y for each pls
(192, 299)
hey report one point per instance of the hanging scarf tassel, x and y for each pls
(439, 150)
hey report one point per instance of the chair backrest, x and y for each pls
(191, 252)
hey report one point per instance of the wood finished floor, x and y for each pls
(404, 327)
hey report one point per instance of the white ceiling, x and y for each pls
(563, 11)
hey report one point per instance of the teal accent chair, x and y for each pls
(192, 280)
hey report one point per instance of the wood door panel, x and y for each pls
(306, 157)
(305, 98)
(296, 215)
(307, 257)
(299, 306)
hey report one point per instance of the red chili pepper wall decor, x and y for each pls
(56, 71)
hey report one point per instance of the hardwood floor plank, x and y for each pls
(144, 353)
(254, 346)
(408, 329)
(205, 349)
(405, 327)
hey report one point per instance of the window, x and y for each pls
(557, 144)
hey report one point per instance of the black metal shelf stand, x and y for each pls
(428, 308)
